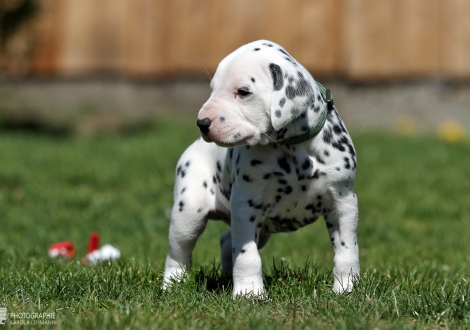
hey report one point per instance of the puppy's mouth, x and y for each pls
(232, 141)
(228, 135)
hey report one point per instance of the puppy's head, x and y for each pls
(260, 94)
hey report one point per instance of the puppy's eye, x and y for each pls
(243, 92)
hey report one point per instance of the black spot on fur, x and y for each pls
(278, 113)
(347, 165)
(181, 205)
(319, 159)
(282, 181)
(304, 188)
(236, 136)
(222, 118)
(295, 112)
(219, 167)
(180, 171)
(337, 129)
(310, 101)
(282, 162)
(246, 178)
(327, 136)
(256, 49)
(253, 79)
(288, 190)
(315, 175)
(290, 92)
(204, 184)
(276, 73)
(255, 162)
(303, 86)
(306, 164)
(267, 176)
(326, 153)
(282, 102)
(284, 52)
(338, 146)
(252, 218)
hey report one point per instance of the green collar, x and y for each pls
(312, 132)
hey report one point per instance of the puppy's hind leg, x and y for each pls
(342, 227)
(188, 221)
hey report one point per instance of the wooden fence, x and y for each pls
(353, 39)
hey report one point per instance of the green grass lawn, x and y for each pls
(414, 238)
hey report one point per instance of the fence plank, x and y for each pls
(235, 25)
(309, 30)
(47, 27)
(144, 37)
(368, 29)
(93, 38)
(455, 38)
(416, 38)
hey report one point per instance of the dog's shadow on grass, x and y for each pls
(212, 279)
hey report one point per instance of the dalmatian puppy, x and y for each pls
(274, 156)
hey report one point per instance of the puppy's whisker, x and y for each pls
(207, 73)
(269, 136)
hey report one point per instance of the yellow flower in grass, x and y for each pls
(451, 131)
(405, 125)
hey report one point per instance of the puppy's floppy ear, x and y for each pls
(293, 94)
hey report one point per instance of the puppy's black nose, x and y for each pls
(204, 124)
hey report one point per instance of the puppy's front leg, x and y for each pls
(247, 271)
(342, 226)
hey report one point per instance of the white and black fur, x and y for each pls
(261, 96)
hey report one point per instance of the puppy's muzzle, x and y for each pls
(204, 124)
